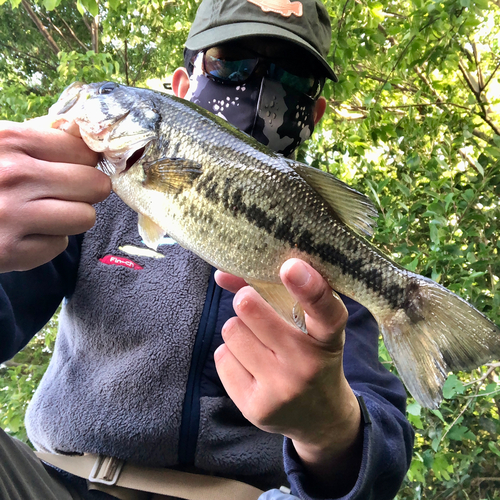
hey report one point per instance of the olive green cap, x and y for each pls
(305, 23)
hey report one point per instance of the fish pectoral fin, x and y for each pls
(353, 208)
(150, 232)
(171, 174)
(282, 302)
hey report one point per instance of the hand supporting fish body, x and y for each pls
(246, 210)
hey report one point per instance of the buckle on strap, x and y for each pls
(106, 470)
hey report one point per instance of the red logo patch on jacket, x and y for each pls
(113, 260)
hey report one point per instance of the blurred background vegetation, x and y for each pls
(414, 122)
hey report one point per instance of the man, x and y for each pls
(152, 364)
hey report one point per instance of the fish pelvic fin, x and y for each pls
(282, 302)
(150, 232)
(353, 208)
(434, 333)
(172, 175)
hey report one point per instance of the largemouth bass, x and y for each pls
(246, 210)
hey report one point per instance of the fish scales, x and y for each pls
(246, 210)
(252, 199)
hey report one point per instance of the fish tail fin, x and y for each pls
(434, 333)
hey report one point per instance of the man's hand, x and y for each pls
(287, 382)
(47, 188)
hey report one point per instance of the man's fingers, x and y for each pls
(259, 316)
(66, 218)
(48, 184)
(326, 314)
(237, 380)
(38, 142)
(33, 251)
(73, 183)
(253, 355)
(35, 179)
(229, 282)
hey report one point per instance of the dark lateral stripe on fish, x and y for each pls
(371, 276)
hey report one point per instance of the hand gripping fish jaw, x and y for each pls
(246, 210)
(106, 129)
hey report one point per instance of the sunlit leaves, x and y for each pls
(433, 170)
(404, 126)
(20, 377)
(51, 4)
(91, 6)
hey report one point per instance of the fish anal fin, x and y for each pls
(171, 175)
(282, 302)
(353, 208)
(435, 333)
(150, 232)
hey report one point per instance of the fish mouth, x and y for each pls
(120, 160)
(133, 159)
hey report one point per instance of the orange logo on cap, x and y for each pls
(284, 7)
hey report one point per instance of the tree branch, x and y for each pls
(384, 32)
(482, 136)
(89, 27)
(41, 28)
(339, 26)
(359, 68)
(469, 160)
(68, 27)
(125, 53)
(491, 368)
(470, 80)
(30, 56)
(492, 75)
(422, 77)
(395, 65)
(477, 91)
(481, 479)
(95, 34)
(12, 364)
(411, 105)
(394, 14)
(61, 34)
(138, 72)
(394, 42)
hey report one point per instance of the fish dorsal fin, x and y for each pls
(353, 208)
(172, 175)
(282, 302)
(150, 232)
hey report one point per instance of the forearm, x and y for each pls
(333, 466)
(386, 437)
(386, 443)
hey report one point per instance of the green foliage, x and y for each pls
(456, 455)
(129, 42)
(19, 378)
(74, 66)
(414, 122)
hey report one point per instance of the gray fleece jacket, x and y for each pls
(118, 380)
(133, 375)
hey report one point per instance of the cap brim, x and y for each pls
(228, 32)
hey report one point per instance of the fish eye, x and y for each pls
(108, 87)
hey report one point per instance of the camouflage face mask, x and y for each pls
(277, 117)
